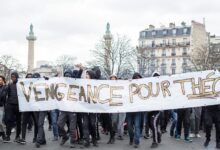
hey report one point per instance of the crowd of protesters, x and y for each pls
(84, 128)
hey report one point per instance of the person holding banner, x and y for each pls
(40, 117)
(89, 120)
(195, 122)
(3, 93)
(26, 116)
(183, 117)
(134, 121)
(113, 117)
(153, 120)
(212, 115)
(77, 74)
(72, 119)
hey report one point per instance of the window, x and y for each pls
(174, 41)
(152, 53)
(142, 43)
(163, 71)
(174, 31)
(142, 34)
(184, 70)
(153, 43)
(184, 60)
(163, 61)
(184, 40)
(164, 32)
(152, 62)
(164, 52)
(184, 63)
(153, 33)
(173, 52)
(184, 30)
(173, 61)
(164, 42)
(173, 70)
(184, 51)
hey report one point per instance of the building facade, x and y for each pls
(46, 70)
(168, 49)
(214, 39)
(214, 52)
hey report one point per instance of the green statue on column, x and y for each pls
(31, 30)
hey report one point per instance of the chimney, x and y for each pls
(151, 27)
(172, 25)
(183, 24)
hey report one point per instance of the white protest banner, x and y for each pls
(108, 96)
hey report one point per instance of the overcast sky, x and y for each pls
(73, 27)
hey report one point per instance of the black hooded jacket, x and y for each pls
(68, 73)
(3, 93)
(97, 72)
(136, 75)
(91, 74)
(77, 73)
(12, 91)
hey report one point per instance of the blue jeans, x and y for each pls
(54, 117)
(134, 122)
(173, 124)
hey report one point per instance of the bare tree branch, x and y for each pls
(119, 57)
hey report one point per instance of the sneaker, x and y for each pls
(147, 136)
(164, 131)
(177, 137)
(80, 142)
(34, 140)
(192, 135)
(131, 142)
(95, 143)
(154, 145)
(136, 145)
(55, 138)
(64, 139)
(159, 138)
(120, 138)
(22, 141)
(17, 140)
(198, 136)
(2, 134)
(72, 145)
(37, 145)
(206, 144)
(171, 133)
(187, 139)
(7, 139)
(111, 141)
(85, 145)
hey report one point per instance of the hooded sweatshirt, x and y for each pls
(12, 91)
(136, 75)
(68, 73)
(3, 92)
(77, 73)
(91, 74)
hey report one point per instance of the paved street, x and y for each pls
(168, 143)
